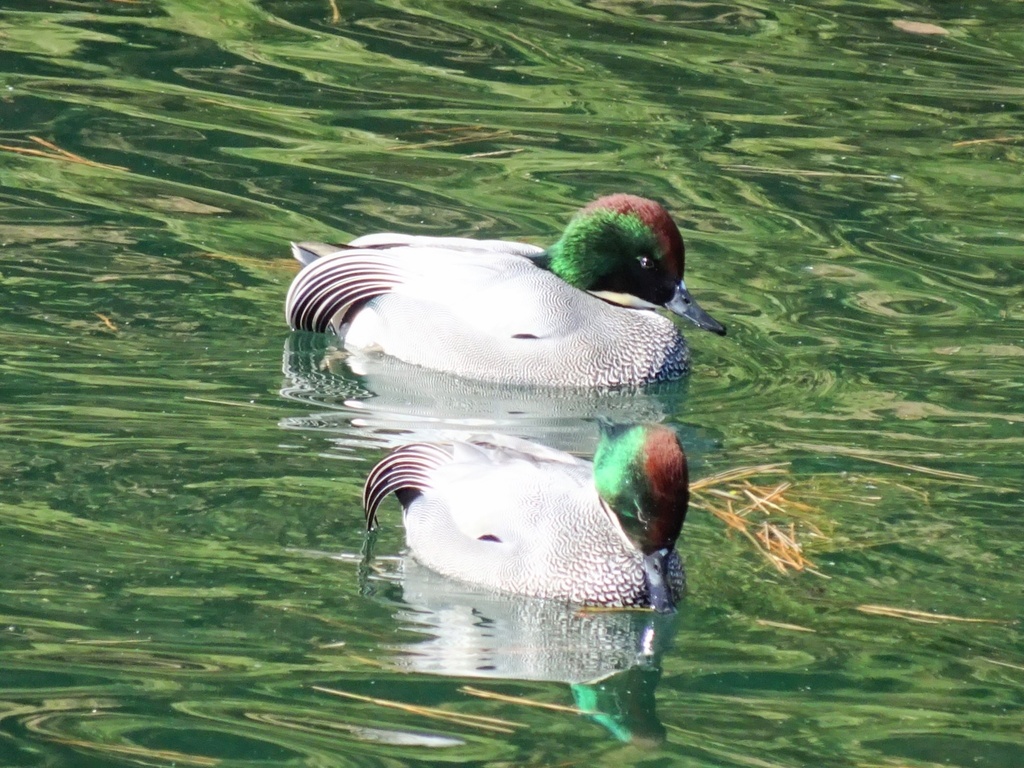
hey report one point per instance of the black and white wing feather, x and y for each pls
(333, 284)
(408, 468)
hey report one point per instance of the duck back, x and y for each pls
(484, 314)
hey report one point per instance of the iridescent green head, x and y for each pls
(640, 473)
(627, 250)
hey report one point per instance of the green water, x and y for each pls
(182, 564)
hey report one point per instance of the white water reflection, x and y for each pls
(361, 398)
(611, 660)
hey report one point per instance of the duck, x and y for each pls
(516, 517)
(580, 313)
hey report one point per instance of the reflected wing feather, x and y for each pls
(407, 468)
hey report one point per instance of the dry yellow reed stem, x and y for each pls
(865, 455)
(454, 141)
(866, 501)
(799, 172)
(54, 148)
(26, 151)
(996, 140)
(481, 693)
(783, 625)
(233, 404)
(721, 478)
(367, 661)
(475, 721)
(56, 153)
(920, 616)
(1002, 663)
(107, 321)
(583, 610)
(744, 507)
(496, 153)
(163, 755)
(439, 131)
(918, 468)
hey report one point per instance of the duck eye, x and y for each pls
(646, 262)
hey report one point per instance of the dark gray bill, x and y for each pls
(684, 305)
(658, 588)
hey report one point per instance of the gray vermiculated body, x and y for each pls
(556, 539)
(494, 315)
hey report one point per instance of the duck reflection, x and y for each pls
(611, 659)
(365, 399)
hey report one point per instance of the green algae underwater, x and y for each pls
(185, 576)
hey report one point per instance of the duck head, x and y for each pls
(627, 250)
(641, 476)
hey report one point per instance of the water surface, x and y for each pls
(185, 578)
